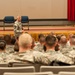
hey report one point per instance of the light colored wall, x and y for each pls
(35, 9)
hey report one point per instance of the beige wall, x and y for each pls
(34, 8)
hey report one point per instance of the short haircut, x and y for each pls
(63, 39)
(24, 40)
(50, 40)
(58, 37)
(7, 38)
(41, 38)
(1, 37)
(52, 33)
(13, 40)
(72, 40)
(70, 35)
(40, 35)
(2, 45)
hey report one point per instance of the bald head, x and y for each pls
(25, 40)
(72, 40)
(70, 35)
(63, 39)
(18, 18)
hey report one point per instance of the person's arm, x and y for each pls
(15, 27)
(64, 58)
(40, 57)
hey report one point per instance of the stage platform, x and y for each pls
(41, 26)
(45, 22)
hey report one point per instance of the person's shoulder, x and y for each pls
(72, 47)
(38, 48)
(51, 51)
(37, 53)
(63, 58)
(10, 49)
(71, 54)
(15, 23)
(65, 50)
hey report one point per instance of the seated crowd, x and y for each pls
(49, 50)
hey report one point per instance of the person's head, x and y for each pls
(2, 45)
(33, 43)
(18, 18)
(13, 40)
(63, 40)
(16, 47)
(70, 35)
(50, 42)
(25, 42)
(1, 37)
(72, 40)
(7, 38)
(52, 34)
(40, 35)
(41, 39)
(58, 37)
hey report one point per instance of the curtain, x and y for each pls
(71, 10)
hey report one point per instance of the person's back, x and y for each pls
(3, 53)
(9, 46)
(51, 55)
(51, 42)
(71, 47)
(63, 43)
(25, 51)
(41, 42)
(71, 50)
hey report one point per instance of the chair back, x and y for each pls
(56, 69)
(9, 19)
(4, 64)
(37, 66)
(66, 73)
(17, 69)
(24, 19)
(36, 73)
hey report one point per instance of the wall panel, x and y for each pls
(35, 9)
